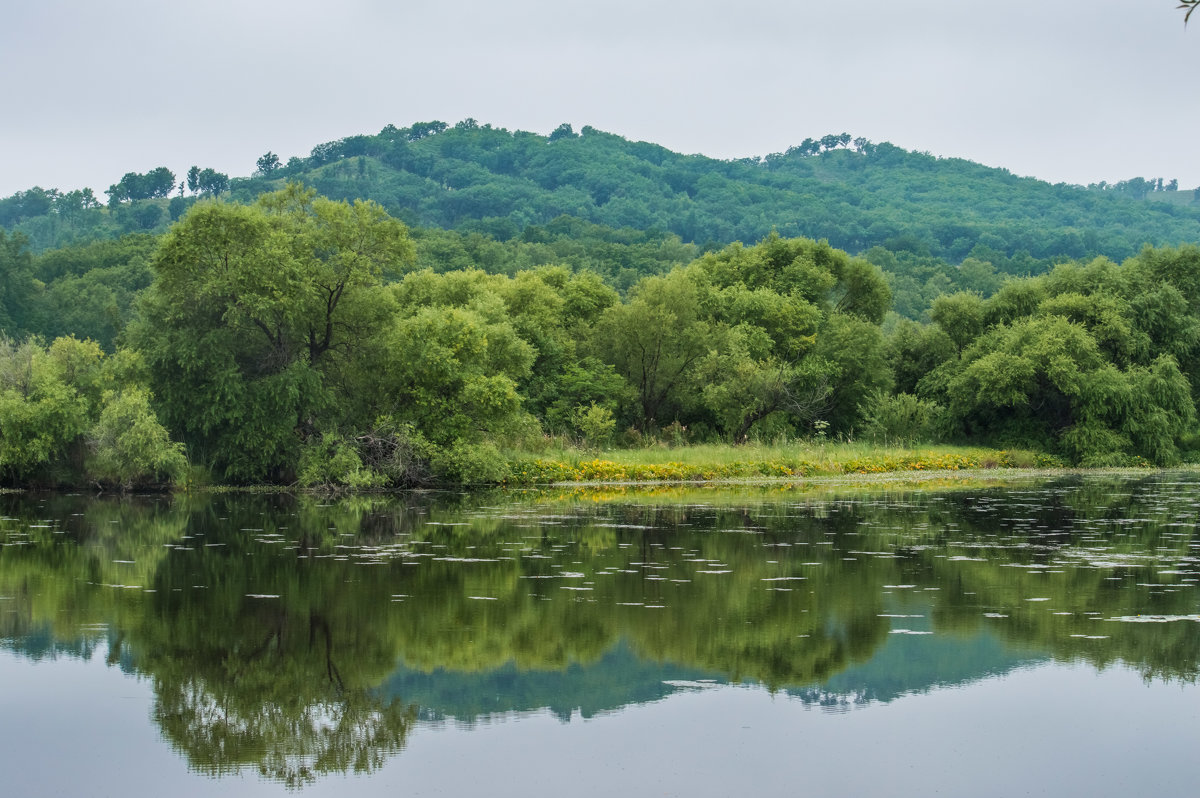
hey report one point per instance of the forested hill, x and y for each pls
(509, 185)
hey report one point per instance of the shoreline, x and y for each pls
(897, 477)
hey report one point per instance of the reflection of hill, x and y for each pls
(904, 665)
(909, 664)
(41, 643)
(619, 678)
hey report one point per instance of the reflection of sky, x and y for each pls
(79, 728)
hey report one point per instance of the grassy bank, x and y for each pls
(716, 462)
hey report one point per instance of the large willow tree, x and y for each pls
(253, 312)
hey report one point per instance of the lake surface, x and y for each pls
(965, 638)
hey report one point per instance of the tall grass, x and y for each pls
(721, 454)
(560, 462)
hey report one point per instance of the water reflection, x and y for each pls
(298, 637)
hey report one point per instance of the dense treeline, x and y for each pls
(88, 290)
(1100, 360)
(300, 339)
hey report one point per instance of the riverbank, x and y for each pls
(707, 463)
(704, 464)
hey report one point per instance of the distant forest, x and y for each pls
(410, 304)
(502, 201)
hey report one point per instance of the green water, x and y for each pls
(722, 642)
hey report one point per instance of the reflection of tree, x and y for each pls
(69, 564)
(224, 727)
(640, 577)
(280, 684)
(278, 688)
(271, 661)
(1095, 550)
(274, 622)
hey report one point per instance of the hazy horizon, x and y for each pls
(1077, 92)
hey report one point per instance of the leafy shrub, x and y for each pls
(902, 418)
(469, 463)
(331, 462)
(676, 434)
(1095, 445)
(395, 451)
(128, 447)
(595, 423)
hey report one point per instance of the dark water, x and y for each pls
(976, 639)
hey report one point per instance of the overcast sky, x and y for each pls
(1064, 90)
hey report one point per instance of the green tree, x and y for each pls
(267, 164)
(1047, 379)
(62, 422)
(595, 423)
(447, 367)
(252, 312)
(212, 182)
(960, 315)
(454, 374)
(743, 386)
(789, 306)
(914, 350)
(655, 341)
(42, 417)
(855, 349)
(127, 445)
(16, 284)
(158, 182)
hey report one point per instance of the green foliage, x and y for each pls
(253, 311)
(588, 199)
(777, 333)
(590, 381)
(947, 208)
(854, 349)
(16, 283)
(38, 428)
(48, 398)
(267, 163)
(655, 341)
(329, 462)
(903, 418)
(452, 372)
(1079, 357)
(128, 447)
(914, 350)
(207, 181)
(959, 315)
(595, 423)
(274, 347)
(470, 463)
(61, 421)
(158, 182)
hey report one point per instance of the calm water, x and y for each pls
(972, 639)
